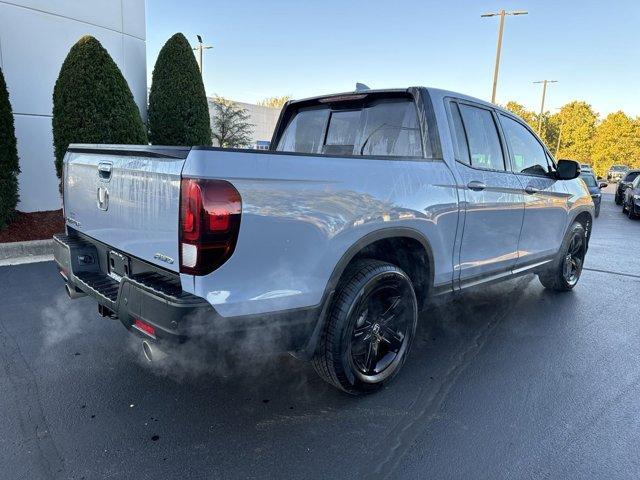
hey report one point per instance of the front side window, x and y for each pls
(482, 138)
(381, 128)
(527, 155)
(631, 176)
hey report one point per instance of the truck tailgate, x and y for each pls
(127, 197)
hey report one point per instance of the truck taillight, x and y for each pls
(210, 212)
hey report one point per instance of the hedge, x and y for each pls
(9, 167)
(178, 110)
(92, 102)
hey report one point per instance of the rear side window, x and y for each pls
(305, 132)
(460, 141)
(382, 128)
(482, 138)
(527, 155)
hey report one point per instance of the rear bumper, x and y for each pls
(156, 298)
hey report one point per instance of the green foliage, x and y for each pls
(527, 115)
(9, 167)
(231, 127)
(576, 123)
(275, 102)
(549, 130)
(178, 109)
(616, 142)
(92, 102)
(574, 133)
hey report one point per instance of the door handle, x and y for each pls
(531, 190)
(476, 185)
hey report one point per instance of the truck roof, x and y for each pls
(435, 93)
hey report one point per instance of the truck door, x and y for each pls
(491, 196)
(545, 197)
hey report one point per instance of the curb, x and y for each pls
(20, 250)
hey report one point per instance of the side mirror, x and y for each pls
(603, 185)
(567, 169)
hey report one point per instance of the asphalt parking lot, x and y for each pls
(507, 382)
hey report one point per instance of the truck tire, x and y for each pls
(370, 327)
(566, 270)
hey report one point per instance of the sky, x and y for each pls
(305, 48)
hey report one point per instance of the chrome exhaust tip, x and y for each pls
(72, 292)
(151, 352)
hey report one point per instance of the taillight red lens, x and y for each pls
(210, 212)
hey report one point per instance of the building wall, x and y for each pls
(263, 119)
(35, 37)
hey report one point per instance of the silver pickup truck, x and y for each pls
(330, 243)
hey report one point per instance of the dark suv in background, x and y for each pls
(594, 188)
(631, 200)
(625, 183)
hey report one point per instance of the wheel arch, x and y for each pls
(584, 216)
(366, 247)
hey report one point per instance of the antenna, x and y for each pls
(361, 86)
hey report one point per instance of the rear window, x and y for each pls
(305, 132)
(382, 128)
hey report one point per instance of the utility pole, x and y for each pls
(544, 94)
(200, 48)
(501, 14)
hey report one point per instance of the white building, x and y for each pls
(263, 119)
(35, 37)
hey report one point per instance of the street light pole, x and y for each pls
(501, 14)
(544, 94)
(200, 48)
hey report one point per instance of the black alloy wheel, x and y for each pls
(369, 329)
(566, 269)
(573, 260)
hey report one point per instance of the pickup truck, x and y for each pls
(328, 245)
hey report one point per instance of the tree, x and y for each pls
(231, 127)
(275, 102)
(92, 102)
(616, 141)
(526, 115)
(576, 125)
(178, 109)
(9, 167)
(549, 131)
